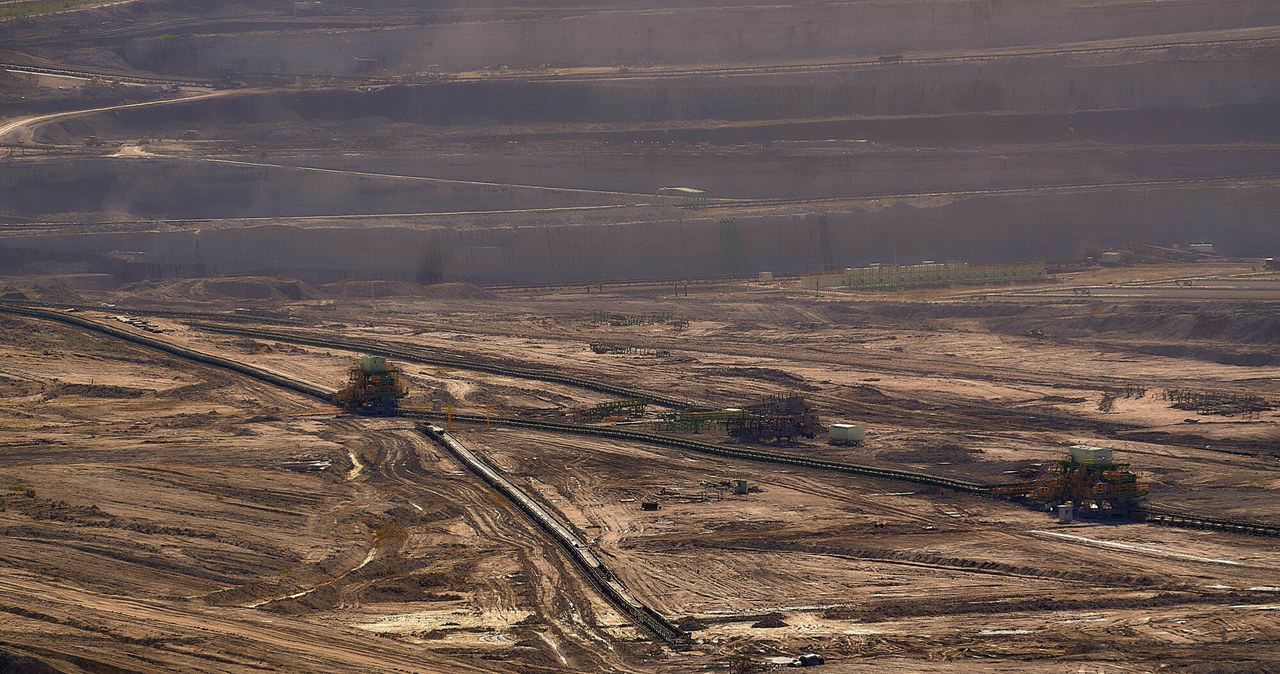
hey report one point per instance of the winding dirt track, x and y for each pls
(25, 127)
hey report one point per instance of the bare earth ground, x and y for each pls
(160, 515)
(165, 515)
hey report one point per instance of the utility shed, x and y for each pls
(1090, 454)
(686, 197)
(373, 364)
(848, 433)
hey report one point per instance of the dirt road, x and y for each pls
(22, 130)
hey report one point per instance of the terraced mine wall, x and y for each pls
(821, 169)
(665, 243)
(1031, 84)
(164, 188)
(1234, 123)
(156, 188)
(690, 35)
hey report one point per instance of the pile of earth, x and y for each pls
(12, 82)
(98, 391)
(223, 287)
(11, 387)
(761, 374)
(52, 294)
(7, 293)
(1239, 323)
(375, 289)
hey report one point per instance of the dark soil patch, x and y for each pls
(950, 453)
(890, 610)
(690, 624)
(99, 391)
(770, 621)
(761, 374)
(1061, 399)
(1243, 446)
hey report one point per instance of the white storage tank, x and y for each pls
(848, 433)
(1090, 454)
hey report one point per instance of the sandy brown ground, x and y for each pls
(857, 568)
(181, 518)
(184, 518)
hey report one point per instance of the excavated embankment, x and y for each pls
(155, 187)
(738, 33)
(1014, 85)
(439, 182)
(663, 243)
(1003, 107)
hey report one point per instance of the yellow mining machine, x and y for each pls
(374, 387)
(1094, 483)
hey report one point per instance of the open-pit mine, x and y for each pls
(656, 336)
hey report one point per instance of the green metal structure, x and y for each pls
(630, 407)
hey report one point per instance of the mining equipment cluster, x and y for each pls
(373, 387)
(781, 417)
(1011, 490)
(611, 410)
(1094, 483)
(140, 323)
(776, 418)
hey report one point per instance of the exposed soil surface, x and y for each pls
(163, 514)
(480, 183)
